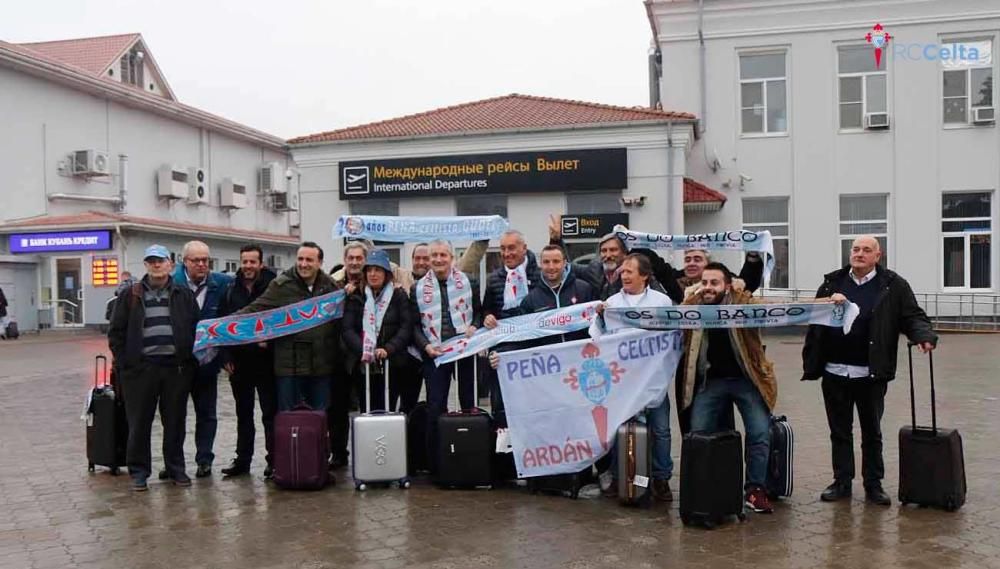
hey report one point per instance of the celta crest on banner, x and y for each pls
(594, 382)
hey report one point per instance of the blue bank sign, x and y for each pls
(94, 240)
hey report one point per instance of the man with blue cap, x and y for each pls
(151, 336)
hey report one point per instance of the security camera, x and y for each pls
(288, 173)
(745, 178)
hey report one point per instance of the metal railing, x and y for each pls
(948, 311)
(68, 311)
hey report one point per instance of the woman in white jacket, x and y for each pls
(636, 272)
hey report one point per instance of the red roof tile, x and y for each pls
(91, 54)
(107, 219)
(500, 113)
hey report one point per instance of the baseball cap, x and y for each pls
(156, 251)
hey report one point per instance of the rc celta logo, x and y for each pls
(879, 38)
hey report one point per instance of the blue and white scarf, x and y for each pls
(371, 320)
(416, 229)
(459, 303)
(515, 289)
(688, 316)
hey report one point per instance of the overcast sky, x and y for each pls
(302, 66)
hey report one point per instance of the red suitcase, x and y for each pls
(301, 448)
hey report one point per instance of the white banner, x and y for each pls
(565, 402)
(413, 229)
(734, 316)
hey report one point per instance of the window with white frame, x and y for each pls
(861, 85)
(968, 82)
(593, 202)
(763, 93)
(863, 215)
(771, 214)
(966, 240)
(232, 266)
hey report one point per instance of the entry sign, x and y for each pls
(91, 240)
(587, 226)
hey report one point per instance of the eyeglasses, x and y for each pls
(198, 261)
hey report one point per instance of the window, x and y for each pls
(967, 85)
(132, 68)
(594, 202)
(481, 205)
(374, 207)
(966, 236)
(862, 85)
(863, 215)
(771, 214)
(232, 266)
(763, 97)
(275, 262)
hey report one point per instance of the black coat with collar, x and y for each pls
(497, 281)
(394, 335)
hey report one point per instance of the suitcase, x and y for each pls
(107, 429)
(711, 478)
(416, 439)
(931, 460)
(465, 446)
(780, 462)
(12, 332)
(378, 442)
(635, 464)
(565, 484)
(301, 448)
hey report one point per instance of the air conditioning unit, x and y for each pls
(876, 121)
(198, 186)
(91, 163)
(295, 219)
(172, 182)
(286, 202)
(984, 115)
(272, 179)
(233, 194)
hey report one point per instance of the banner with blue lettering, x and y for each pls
(520, 328)
(416, 229)
(759, 241)
(734, 316)
(267, 325)
(565, 402)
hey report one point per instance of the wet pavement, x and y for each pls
(54, 514)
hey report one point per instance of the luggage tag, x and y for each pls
(641, 481)
(503, 442)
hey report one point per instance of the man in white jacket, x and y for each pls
(636, 271)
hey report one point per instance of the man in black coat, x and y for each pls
(856, 367)
(559, 288)
(251, 366)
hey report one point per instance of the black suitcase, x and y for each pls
(107, 429)
(12, 333)
(931, 460)
(711, 478)
(780, 472)
(564, 484)
(465, 446)
(416, 439)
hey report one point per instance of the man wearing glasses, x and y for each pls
(207, 287)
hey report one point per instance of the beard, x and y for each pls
(712, 297)
(609, 266)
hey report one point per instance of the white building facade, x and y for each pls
(813, 139)
(101, 161)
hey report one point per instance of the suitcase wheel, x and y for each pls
(90, 467)
(404, 483)
(360, 486)
(685, 519)
(742, 516)
(949, 505)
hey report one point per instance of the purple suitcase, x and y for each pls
(301, 448)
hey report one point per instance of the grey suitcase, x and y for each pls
(378, 442)
(635, 464)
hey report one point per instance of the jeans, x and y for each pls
(841, 396)
(149, 385)
(313, 390)
(719, 394)
(244, 383)
(438, 386)
(205, 394)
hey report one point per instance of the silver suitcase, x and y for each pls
(378, 443)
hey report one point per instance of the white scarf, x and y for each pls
(371, 319)
(459, 303)
(516, 288)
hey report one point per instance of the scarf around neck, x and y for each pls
(371, 320)
(459, 303)
(516, 287)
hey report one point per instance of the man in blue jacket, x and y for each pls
(207, 287)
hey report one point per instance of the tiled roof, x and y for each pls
(699, 197)
(499, 113)
(98, 218)
(91, 54)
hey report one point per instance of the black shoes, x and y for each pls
(204, 471)
(836, 491)
(876, 495)
(338, 461)
(163, 475)
(236, 468)
(182, 480)
(661, 489)
(268, 472)
(139, 484)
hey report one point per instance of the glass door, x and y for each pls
(69, 292)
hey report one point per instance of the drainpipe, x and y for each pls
(122, 183)
(124, 247)
(701, 65)
(655, 61)
(82, 198)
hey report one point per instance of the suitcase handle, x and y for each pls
(98, 372)
(368, 386)
(913, 403)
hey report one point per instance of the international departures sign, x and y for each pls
(472, 174)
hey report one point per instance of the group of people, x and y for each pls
(397, 319)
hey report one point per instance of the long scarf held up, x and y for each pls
(756, 241)
(416, 229)
(371, 321)
(238, 329)
(459, 303)
(515, 289)
(734, 316)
